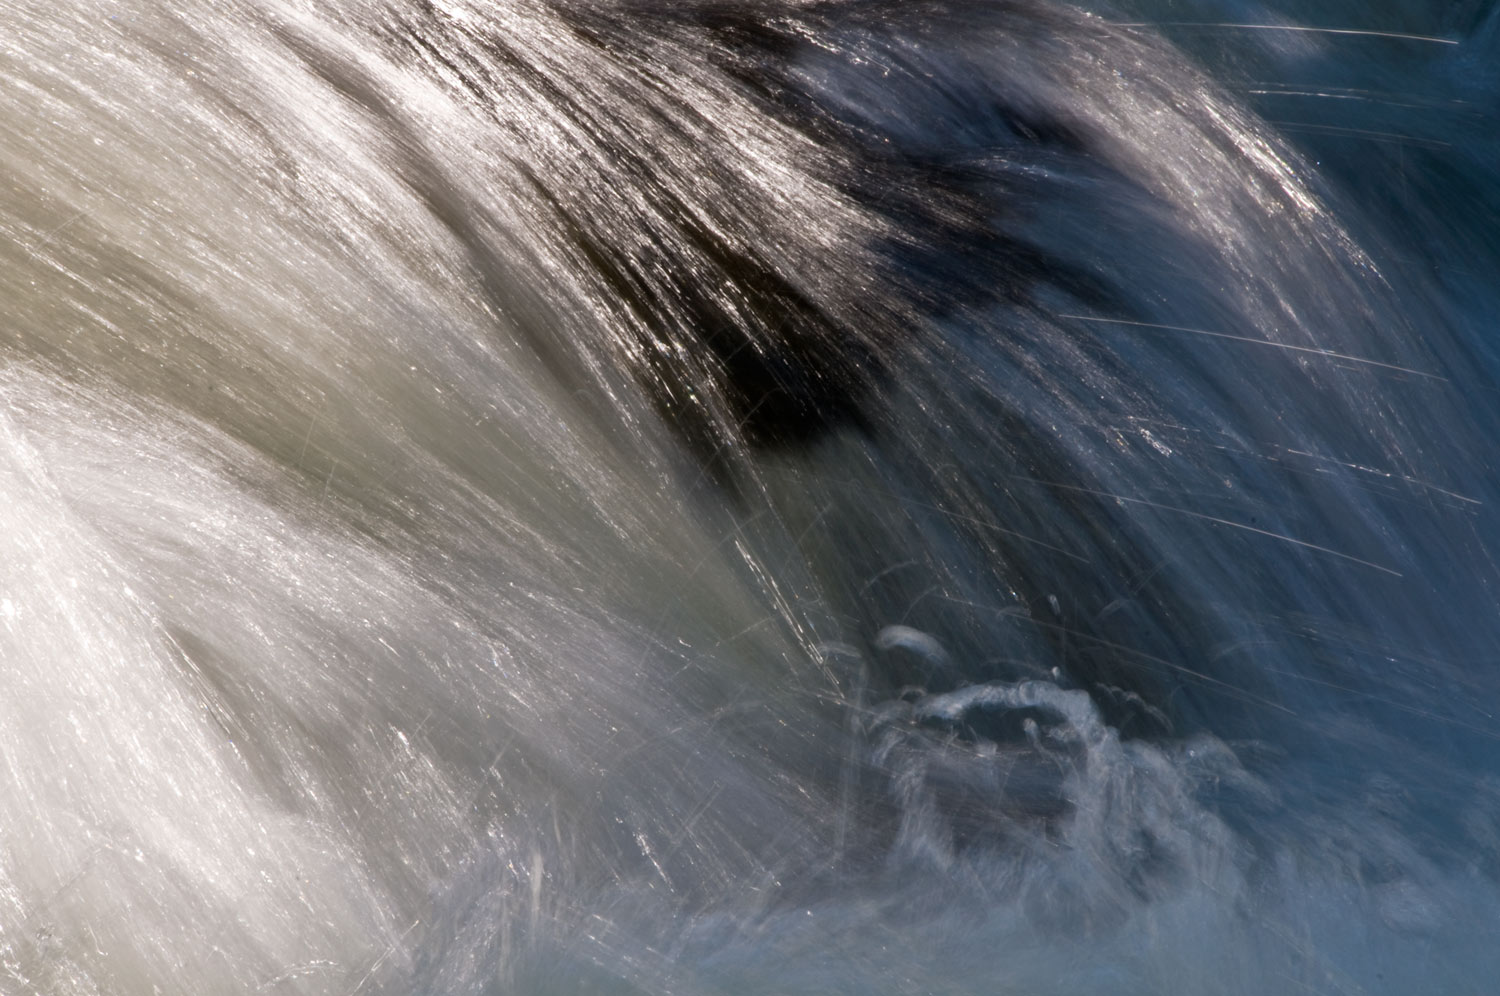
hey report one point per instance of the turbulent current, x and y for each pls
(716, 497)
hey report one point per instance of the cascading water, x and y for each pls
(556, 496)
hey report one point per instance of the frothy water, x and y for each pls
(557, 496)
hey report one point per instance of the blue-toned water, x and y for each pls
(557, 496)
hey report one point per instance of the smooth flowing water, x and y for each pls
(559, 496)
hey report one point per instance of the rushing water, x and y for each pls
(557, 496)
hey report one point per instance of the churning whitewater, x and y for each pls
(864, 496)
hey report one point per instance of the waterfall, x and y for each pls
(748, 496)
